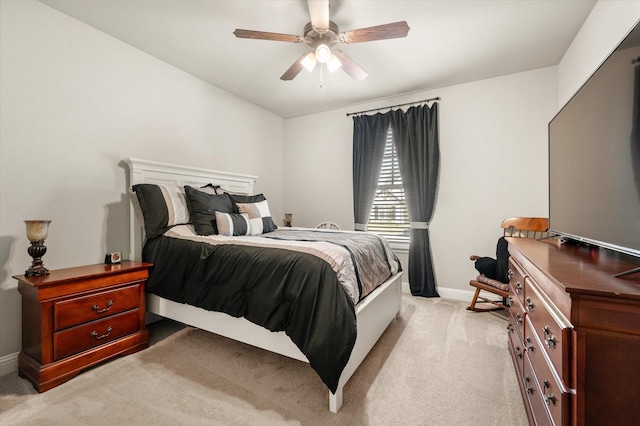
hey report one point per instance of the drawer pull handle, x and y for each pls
(527, 386)
(509, 301)
(530, 304)
(550, 399)
(528, 347)
(509, 274)
(97, 309)
(94, 334)
(518, 287)
(518, 319)
(518, 352)
(510, 328)
(550, 341)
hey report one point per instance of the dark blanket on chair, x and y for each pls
(281, 290)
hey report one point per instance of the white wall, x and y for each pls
(493, 138)
(75, 102)
(608, 23)
(493, 144)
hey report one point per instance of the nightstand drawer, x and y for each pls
(89, 308)
(87, 336)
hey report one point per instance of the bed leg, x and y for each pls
(335, 400)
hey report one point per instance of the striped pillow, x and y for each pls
(232, 224)
(162, 206)
(259, 216)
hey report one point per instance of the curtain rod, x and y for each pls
(394, 106)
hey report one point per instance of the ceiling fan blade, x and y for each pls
(263, 35)
(294, 69)
(349, 66)
(378, 32)
(319, 12)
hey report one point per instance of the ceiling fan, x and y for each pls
(321, 35)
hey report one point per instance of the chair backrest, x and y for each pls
(328, 225)
(525, 227)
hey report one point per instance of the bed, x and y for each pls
(372, 313)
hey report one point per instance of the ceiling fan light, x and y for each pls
(309, 62)
(333, 63)
(323, 53)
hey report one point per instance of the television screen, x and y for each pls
(594, 156)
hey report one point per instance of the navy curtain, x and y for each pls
(415, 134)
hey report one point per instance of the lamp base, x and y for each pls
(36, 271)
(36, 250)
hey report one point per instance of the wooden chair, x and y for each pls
(328, 225)
(516, 227)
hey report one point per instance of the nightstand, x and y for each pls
(75, 318)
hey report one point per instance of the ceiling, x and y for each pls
(449, 43)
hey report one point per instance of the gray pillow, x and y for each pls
(203, 208)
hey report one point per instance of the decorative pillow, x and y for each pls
(239, 198)
(233, 224)
(162, 207)
(203, 208)
(211, 189)
(259, 216)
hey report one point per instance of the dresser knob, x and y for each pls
(97, 309)
(528, 387)
(510, 328)
(518, 287)
(529, 304)
(550, 399)
(518, 319)
(94, 334)
(509, 273)
(528, 346)
(550, 342)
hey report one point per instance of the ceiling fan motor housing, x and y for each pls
(316, 36)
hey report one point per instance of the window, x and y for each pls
(389, 215)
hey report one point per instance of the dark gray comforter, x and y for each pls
(281, 290)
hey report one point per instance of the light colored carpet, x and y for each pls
(439, 365)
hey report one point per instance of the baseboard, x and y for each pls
(456, 293)
(8, 363)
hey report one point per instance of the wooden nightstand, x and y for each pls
(78, 317)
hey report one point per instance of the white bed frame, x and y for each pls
(374, 313)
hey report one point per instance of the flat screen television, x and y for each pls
(594, 156)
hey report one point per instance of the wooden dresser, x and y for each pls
(78, 317)
(574, 333)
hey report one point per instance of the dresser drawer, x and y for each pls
(516, 347)
(516, 279)
(536, 403)
(79, 310)
(550, 326)
(77, 339)
(516, 312)
(554, 393)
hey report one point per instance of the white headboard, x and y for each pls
(145, 171)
